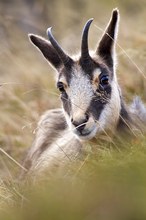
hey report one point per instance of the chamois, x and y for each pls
(92, 103)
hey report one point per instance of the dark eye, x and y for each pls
(60, 86)
(104, 80)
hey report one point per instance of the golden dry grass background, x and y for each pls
(27, 81)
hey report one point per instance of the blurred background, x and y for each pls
(114, 181)
(27, 85)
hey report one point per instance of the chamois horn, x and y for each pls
(66, 60)
(84, 45)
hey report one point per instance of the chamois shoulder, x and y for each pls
(51, 123)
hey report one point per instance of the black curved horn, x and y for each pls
(63, 56)
(84, 46)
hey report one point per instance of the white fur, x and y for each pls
(62, 150)
(110, 114)
(80, 92)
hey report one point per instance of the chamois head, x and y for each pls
(88, 85)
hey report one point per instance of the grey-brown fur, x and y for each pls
(91, 98)
(48, 149)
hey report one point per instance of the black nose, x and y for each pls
(80, 124)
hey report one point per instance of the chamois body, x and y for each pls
(92, 103)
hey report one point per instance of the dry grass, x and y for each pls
(107, 183)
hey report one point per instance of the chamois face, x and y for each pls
(88, 86)
(90, 98)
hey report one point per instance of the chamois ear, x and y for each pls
(106, 47)
(47, 50)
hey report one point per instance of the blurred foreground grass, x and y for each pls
(108, 183)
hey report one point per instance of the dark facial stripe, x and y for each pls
(66, 72)
(89, 66)
(99, 101)
(66, 102)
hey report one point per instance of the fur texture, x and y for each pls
(92, 103)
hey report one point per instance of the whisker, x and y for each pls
(85, 123)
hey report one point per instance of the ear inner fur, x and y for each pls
(47, 50)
